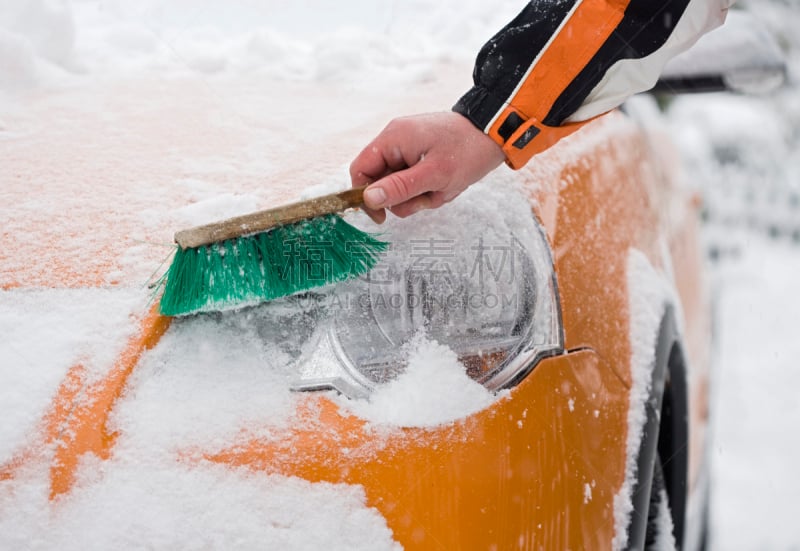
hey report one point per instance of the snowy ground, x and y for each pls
(48, 46)
(755, 410)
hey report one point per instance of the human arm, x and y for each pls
(558, 64)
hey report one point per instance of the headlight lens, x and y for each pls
(486, 290)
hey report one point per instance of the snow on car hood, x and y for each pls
(121, 123)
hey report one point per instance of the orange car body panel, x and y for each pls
(459, 486)
(534, 469)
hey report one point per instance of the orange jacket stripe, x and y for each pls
(586, 30)
(571, 60)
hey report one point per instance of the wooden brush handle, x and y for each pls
(260, 221)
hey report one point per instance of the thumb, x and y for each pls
(395, 188)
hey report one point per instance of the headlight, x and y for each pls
(477, 279)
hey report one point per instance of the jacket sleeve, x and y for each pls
(560, 63)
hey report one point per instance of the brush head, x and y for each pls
(268, 265)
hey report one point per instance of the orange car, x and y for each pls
(528, 368)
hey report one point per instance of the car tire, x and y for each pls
(663, 435)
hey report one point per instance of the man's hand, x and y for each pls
(422, 162)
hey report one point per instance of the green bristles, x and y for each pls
(268, 265)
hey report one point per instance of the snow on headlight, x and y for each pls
(475, 276)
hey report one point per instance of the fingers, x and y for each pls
(378, 215)
(429, 200)
(379, 159)
(395, 148)
(387, 156)
(401, 186)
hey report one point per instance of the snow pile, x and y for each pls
(306, 40)
(218, 207)
(35, 36)
(209, 379)
(158, 505)
(434, 389)
(665, 540)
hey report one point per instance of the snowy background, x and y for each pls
(743, 153)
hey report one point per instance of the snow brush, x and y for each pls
(267, 255)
